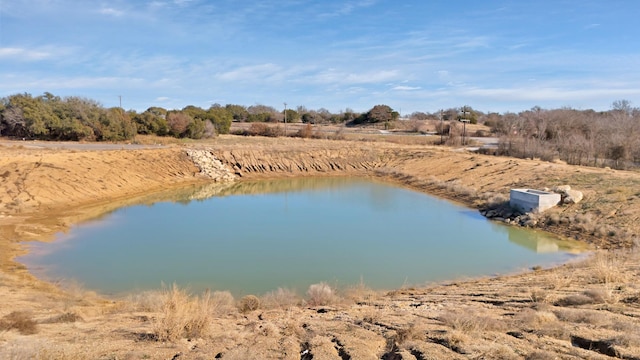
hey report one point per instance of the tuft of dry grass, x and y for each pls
(221, 302)
(360, 294)
(591, 317)
(559, 280)
(320, 294)
(575, 300)
(602, 296)
(608, 268)
(183, 316)
(470, 323)
(541, 355)
(20, 321)
(146, 301)
(542, 322)
(539, 296)
(532, 319)
(249, 303)
(68, 317)
(494, 200)
(496, 351)
(410, 333)
(280, 299)
(457, 187)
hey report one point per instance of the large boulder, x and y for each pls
(572, 197)
(569, 196)
(561, 189)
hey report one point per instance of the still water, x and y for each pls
(257, 236)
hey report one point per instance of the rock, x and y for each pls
(572, 197)
(210, 166)
(568, 195)
(561, 189)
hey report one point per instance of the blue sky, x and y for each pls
(416, 55)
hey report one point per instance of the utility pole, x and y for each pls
(464, 121)
(120, 97)
(441, 129)
(285, 119)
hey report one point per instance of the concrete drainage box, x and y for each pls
(529, 200)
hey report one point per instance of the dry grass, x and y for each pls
(20, 321)
(68, 317)
(30, 349)
(591, 317)
(221, 302)
(360, 294)
(469, 323)
(280, 299)
(559, 280)
(591, 296)
(494, 200)
(410, 333)
(575, 300)
(321, 294)
(542, 322)
(495, 351)
(150, 301)
(456, 339)
(183, 315)
(532, 319)
(242, 353)
(539, 296)
(628, 339)
(541, 355)
(608, 268)
(249, 303)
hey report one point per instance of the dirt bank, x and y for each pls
(585, 310)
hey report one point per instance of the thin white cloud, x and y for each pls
(253, 72)
(17, 53)
(406, 88)
(551, 94)
(111, 12)
(162, 99)
(347, 8)
(82, 82)
(334, 76)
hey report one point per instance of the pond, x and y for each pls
(253, 237)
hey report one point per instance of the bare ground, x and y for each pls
(581, 310)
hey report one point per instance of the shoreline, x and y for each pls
(572, 250)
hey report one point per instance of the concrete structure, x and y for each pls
(529, 200)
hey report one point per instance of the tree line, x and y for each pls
(581, 137)
(50, 117)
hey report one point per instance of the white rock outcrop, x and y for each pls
(210, 166)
